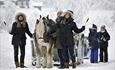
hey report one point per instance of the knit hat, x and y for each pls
(94, 27)
(103, 26)
(71, 11)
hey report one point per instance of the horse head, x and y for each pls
(43, 25)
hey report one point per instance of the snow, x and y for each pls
(99, 12)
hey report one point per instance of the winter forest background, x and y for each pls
(99, 12)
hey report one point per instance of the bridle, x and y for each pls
(45, 27)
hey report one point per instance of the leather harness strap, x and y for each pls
(40, 38)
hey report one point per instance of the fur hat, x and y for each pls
(59, 13)
(69, 12)
(17, 19)
(63, 14)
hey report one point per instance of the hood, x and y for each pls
(18, 22)
(18, 14)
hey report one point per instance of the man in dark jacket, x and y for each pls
(19, 28)
(93, 43)
(104, 37)
(67, 40)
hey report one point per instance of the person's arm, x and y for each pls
(27, 31)
(75, 28)
(108, 36)
(99, 37)
(13, 31)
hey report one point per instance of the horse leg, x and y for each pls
(49, 55)
(38, 55)
(44, 51)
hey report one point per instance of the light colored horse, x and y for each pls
(43, 49)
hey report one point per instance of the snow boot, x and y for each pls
(73, 65)
(17, 64)
(22, 65)
(61, 67)
(66, 65)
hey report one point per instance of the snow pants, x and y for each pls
(68, 52)
(61, 57)
(16, 52)
(103, 54)
(94, 55)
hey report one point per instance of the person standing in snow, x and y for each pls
(94, 44)
(104, 37)
(67, 40)
(57, 31)
(64, 38)
(59, 20)
(19, 28)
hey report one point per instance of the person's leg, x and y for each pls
(66, 56)
(92, 56)
(22, 50)
(61, 58)
(101, 54)
(105, 54)
(16, 55)
(96, 55)
(72, 54)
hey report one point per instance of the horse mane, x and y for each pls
(41, 29)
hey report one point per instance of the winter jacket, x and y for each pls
(55, 32)
(67, 32)
(64, 32)
(104, 37)
(93, 39)
(19, 32)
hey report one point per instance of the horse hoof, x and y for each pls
(44, 66)
(38, 66)
(49, 66)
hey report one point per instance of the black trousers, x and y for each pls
(103, 54)
(61, 57)
(16, 52)
(68, 52)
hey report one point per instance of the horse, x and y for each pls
(44, 44)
